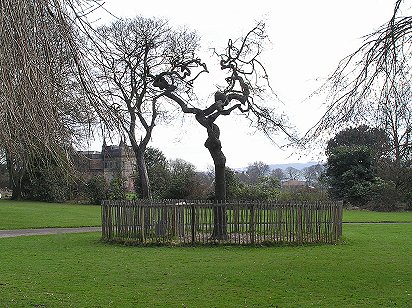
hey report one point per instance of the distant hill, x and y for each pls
(298, 166)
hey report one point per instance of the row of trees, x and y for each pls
(172, 179)
(176, 179)
(179, 180)
(312, 175)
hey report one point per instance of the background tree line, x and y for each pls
(176, 179)
(179, 179)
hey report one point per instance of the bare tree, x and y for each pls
(372, 85)
(278, 173)
(292, 173)
(313, 174)
(247, 82)
(395, 115)
(130, 53)
(256, 171)
(42, 106)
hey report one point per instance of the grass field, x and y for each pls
(370, 268)
(26, 214)
(370, 216)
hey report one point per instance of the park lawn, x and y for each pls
(371, 216)
(370, 268)
(27, 214)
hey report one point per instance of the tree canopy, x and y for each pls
(373, 138)
(350, 172)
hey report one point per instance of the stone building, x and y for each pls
(113, 161)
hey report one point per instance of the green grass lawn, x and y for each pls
(371, 216)
(26, 214)
(371, 268)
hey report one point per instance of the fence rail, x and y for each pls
(193, 222)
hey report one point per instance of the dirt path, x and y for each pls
(45, 231)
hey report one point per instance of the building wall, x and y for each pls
(113, 161)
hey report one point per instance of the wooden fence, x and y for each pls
(194, 222)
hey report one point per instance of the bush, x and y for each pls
(266, 189)
(182, 181)
(96, 189)
(384, 196)
(408, 200)
(46, 184)
(117, 190)
(303, 195)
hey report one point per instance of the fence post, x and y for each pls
(338, 219)
(105, 219)
(252, 224)
(299, 223)
(193, 222)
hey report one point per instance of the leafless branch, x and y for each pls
(43, 103)
(365, 79)
(246, 81)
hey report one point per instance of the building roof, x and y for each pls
(294, 183)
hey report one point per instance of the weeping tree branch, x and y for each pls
(44, 106)
(367, 78)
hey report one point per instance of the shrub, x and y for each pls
(117, 190)
(263, 191)
(46, 184)
(384, 196)
(96, 189)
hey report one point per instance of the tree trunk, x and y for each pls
(14, 178)
(219, 210)
(15, 185)
(143, 186)
(220, 182)
(214, 146)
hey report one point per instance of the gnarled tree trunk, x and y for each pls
(214, 146)
(245, 71)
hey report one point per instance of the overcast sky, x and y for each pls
(308, 38)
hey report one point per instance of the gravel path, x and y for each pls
(45, 231)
